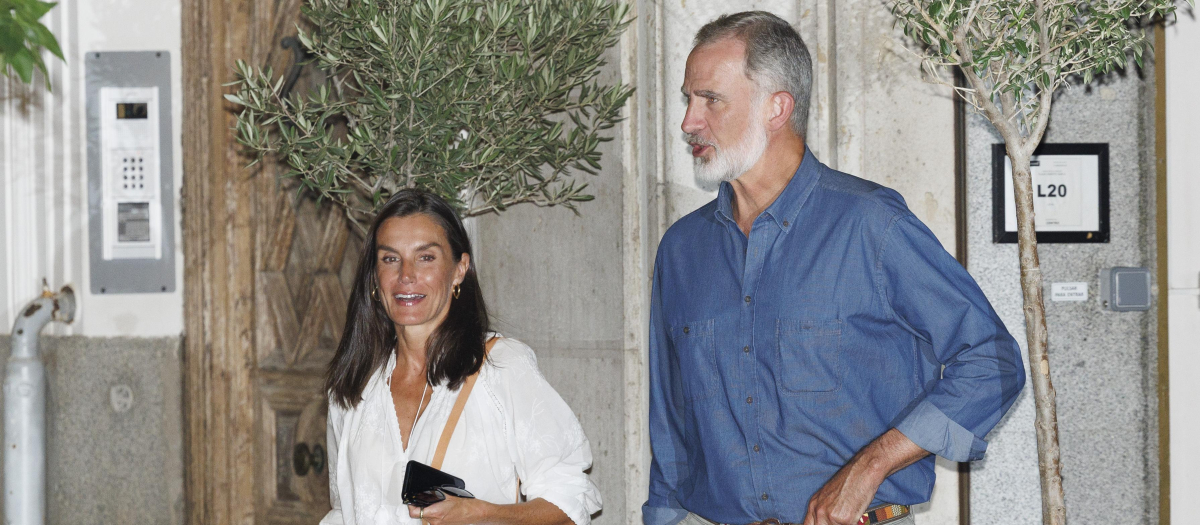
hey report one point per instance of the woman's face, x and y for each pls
(416, 270)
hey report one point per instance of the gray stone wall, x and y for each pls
(1103, 363)
(553, 279)
(108, 463)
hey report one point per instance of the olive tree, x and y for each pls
(1014, 55)
(487, 103)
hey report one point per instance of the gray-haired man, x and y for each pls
(811, 343)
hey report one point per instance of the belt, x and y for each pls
(874, 515)
(883, 514)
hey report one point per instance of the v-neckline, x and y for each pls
(404, 446)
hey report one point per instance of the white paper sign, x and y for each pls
(1066, 194)
(1069, 291)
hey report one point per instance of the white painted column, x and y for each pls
(1183, 263)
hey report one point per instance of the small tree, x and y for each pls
(487, 103)
(22, 38)
(1014, 55)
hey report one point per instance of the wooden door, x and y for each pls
(266, 275)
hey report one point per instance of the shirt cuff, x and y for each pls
(578, 507)
(662, 515)
(932, 430)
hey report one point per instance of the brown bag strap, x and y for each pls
(464, 392)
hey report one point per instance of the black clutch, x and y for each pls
(425, 485)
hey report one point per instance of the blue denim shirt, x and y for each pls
(774, 358)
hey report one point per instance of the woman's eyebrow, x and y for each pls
(426, 246)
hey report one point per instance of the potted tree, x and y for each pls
(1014, 55)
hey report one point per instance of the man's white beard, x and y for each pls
(732, 163)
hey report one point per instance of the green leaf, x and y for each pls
(22, 62)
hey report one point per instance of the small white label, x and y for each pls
(1068, 291)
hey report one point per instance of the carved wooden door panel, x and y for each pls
(300, 305)
(266, 275)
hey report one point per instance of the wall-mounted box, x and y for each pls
(1124, 289)
(130, 190)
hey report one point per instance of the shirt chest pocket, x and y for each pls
(810, 357)
(696, 348)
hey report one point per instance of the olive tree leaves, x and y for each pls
(1016, 53)
(487, 103)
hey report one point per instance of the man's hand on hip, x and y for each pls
(845, 497)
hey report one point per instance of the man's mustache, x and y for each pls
(694, 139)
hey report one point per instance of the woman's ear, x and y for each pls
(464, 264)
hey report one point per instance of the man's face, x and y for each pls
(724, 124)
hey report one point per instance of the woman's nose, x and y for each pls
(406, 273)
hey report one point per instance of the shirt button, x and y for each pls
(750, 399)
(685, 330)
(764, 496)
(746, 349)
(747, 298)
(756, 449)
(785, 223)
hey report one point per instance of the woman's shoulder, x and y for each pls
(511, 354)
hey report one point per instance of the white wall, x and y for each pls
(43, 171)
(1183, 253)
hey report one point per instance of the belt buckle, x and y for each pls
(770, 521)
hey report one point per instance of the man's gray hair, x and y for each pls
(776, 57)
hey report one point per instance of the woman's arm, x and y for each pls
(459, 511)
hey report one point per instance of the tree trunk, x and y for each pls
(1054, 510)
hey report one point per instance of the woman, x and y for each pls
(415, 332)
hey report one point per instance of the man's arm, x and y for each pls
(847, 495)
(668, 457)
(932, 296)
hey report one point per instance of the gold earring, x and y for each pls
(457, 290)
(373, 290)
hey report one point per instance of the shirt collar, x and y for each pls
(787, 205)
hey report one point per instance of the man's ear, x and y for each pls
(782, 104)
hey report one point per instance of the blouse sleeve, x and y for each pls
(333, 430)
(549, 448)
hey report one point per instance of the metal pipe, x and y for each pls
(25, 409)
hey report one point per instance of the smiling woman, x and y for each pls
(416, 339)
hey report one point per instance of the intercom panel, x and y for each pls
(130, 189)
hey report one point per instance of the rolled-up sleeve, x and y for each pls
(935, 298)
(668, 465)
(552, 452)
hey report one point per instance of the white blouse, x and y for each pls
(514, 426)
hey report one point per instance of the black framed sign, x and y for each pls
(1070, 194)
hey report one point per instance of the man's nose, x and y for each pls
(692, 122)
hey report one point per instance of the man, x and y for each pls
(800, 323)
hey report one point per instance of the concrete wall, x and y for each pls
(1102, 362)
(108, 461)
(553, 279)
